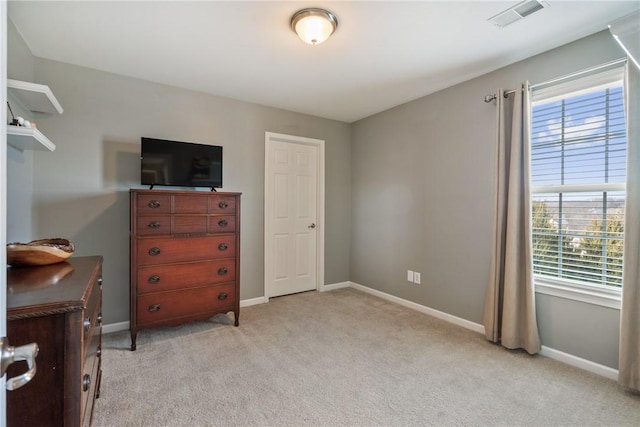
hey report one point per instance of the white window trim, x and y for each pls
(595, 78)
(604, 296)
(590, 293)
(600, 295)
(608, 187)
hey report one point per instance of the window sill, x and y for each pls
(590, 294)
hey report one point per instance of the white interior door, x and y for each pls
(292, 220)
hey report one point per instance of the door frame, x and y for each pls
(268, 226)
(4, 30)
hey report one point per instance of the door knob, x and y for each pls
(313, 225)
(10, 354)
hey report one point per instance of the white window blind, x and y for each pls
(578, 172)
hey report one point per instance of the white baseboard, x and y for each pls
(252, 301)
(333, 286)
(551, 353)
(579, 362)
(123, 326)
(115, 327)
(421, 308)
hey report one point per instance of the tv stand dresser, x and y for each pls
(185, 257)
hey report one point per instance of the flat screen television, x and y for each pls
(182, 164)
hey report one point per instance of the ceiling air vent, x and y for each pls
(517, 12)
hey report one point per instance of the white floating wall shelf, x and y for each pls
(24, 138)
(36, 98)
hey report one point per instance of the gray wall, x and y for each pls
(80, 191)
(422, 185)
(409, 188)
(19, 163)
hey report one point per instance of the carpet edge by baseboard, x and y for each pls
(253, 301)
(569, 359)
(467, 324)
(115, 327)
(334, 286)
(579, 362)
(549, 352)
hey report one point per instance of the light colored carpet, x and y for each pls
(342, 358)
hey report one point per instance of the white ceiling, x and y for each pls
(383, 53)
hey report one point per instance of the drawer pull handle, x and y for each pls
(99, 319)
(154, 224)
(223, 223)
(154, 307)
(86, 382)
(154, 279)
(223, 204)
(154, 204)
(223, 246)
(86, 324)
(222, 296)
(222, 271)
(154, 251)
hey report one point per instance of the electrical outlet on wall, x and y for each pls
(410, 275)
(416, 278)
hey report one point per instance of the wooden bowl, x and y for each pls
(39, 252)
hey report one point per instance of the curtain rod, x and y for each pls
(489, 98)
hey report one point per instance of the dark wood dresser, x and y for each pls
(59, 307)
(185, 257)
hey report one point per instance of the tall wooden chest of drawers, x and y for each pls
(185, 257)
(59, 307)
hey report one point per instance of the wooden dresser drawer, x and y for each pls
(222, 224)
(159, 278)
(222, 203)
(166, 225)
(89, 380)
(190, 204)
(156, 203)
(92, 316)
(163, 250)
(93, 393)
(189, 224)
(155, 225)
(159, 307)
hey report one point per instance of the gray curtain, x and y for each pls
(629, 359)
(510, 310)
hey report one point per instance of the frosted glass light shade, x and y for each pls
(314, 26)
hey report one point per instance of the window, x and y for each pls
(578, 172)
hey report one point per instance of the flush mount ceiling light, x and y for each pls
(314, 25)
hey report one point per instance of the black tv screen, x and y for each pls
(183, 164)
